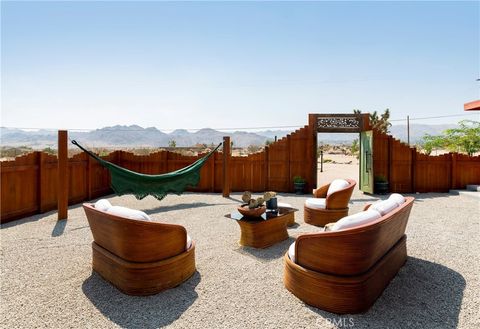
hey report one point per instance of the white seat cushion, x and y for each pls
(316, 203)
(102, 205)
(128, 213)
(337, 185)
(384, 207)
(398, 198)
(189, 242)
(291, 252)
(357, 219)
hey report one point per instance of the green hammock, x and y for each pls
(124, 181)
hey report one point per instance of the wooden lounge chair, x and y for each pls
(139, 257)
(332, 206)
(345, 271)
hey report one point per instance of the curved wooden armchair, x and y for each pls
(139, 257)
(336, 205)
(346, 271)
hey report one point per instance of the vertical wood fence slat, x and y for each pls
(62, 196)
(226, 166)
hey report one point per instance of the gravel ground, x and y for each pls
(47, 281)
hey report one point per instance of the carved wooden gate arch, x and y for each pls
(346, 123)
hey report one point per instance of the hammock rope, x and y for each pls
(125, 181)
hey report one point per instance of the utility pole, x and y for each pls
(408, 130)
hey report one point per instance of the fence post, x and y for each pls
(226, 166)
(62, 191)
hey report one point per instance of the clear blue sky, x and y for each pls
(223, 64)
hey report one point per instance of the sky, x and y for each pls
(190, 65)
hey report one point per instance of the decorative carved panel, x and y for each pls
(339, 123)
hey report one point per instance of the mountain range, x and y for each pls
(136, 136)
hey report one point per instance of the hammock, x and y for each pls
(124, 181)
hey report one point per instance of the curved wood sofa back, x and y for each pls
(339, 199)
(135, 240)
(352, 251)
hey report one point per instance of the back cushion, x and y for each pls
(357, 219)
(128, 213)
(337, 185)
(384, 207)
(102, 205)
(398, 198)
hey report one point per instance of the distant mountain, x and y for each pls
(417, 131)
(136, 136)
(129, 136)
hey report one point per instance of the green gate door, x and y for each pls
(366, 162)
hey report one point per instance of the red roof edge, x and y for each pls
(472, 106)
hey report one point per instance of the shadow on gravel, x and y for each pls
(182, 206)
(268, 254)
(422, 295)
(140, 312)
(59, 228)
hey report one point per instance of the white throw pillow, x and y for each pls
(337, 185)
(398, 198)
(316, 203)
(357, 219)
(128, 213)
(384, 207)
(189, 242)
(291, 252)
(102, 205)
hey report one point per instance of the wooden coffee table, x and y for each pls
(264, 231)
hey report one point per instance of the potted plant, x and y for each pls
(299, 184)
(380, 184)
(271, 200)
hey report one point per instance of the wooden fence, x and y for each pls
(409, 171)
(29, 183)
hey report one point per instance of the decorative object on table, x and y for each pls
(299, 184)
(380, 185)
(271, 200)
(265, 231)
(253, 207)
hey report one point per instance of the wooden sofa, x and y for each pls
(345, 271)
(139, 257)
(336, 205)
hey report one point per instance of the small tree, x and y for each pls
(381, 122)
(253, 148)
(465, 138)
(172, 143)
(355, 147)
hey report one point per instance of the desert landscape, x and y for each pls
(47, 279)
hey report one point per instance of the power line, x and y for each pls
(438, 117)
(224, 129)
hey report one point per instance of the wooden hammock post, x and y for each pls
(226, 167)
(62, 186)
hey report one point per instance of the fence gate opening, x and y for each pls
(347, 123)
